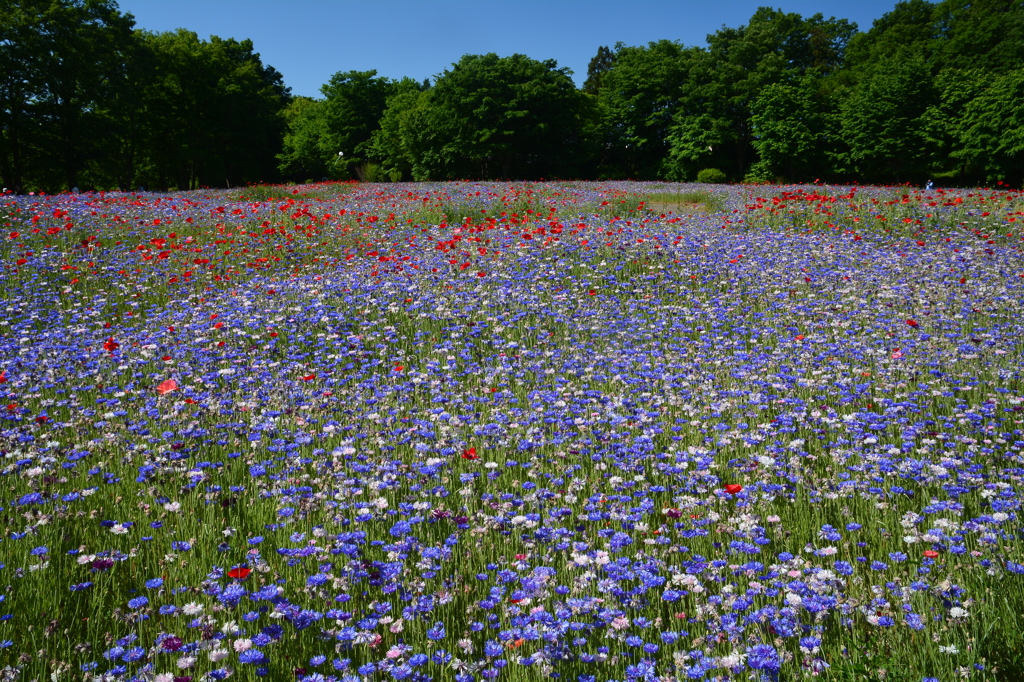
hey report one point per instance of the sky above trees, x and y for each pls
(308, 41)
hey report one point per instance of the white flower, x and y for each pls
(957, 612)
(192, 609)
(173, 506)
(186, 662)
(119, 529)
(999, 517)
(241, 645)
(218, 655)
(951, 649)
(732, 660)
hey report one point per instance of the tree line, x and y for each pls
(932, 90)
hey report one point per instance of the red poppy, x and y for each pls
(3, 377)
(110, 345)
(470, 453)
(931, 553)
(733, 488)
(309, 377)
(165, 387)
(239, 573)
(799, 337)
(399, 368)
(912, 323)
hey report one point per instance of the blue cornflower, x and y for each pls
(763, 657)
(400, 529)
(437, 632)
(133, 654)
(154, 583)
(252, 656)
(137, 603)
(39, 551)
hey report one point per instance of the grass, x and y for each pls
(684, 202)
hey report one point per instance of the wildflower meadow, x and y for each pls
(512, 431)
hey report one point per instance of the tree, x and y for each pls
(712, 122)
(990, 133)
(56, 58)
(599, 65)
(353, 103)
(508, 117)
(301, 157)
(790, 129)
(393, 144)
(884, 123)
(906, 32)
(638, 98)
(344, 121)
(943, 123)
(214, 112)
(979, 34)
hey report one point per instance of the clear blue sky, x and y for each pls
(310, 40)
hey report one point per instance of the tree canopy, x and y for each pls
(930, 90)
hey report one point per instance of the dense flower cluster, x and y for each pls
(341, 439)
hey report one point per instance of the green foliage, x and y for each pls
(300, 155)
(990, 132)
(790, 132)
(393, 144)
(931, 90)
(638, 97)
(711, 176)
(601, 63)
(86, 101)
(684, 202)
(57, 60)
(261, 193)
(513, 114)
(884, 125)
(333, 137)
(215, 113)
(486, 117)
(713, 124)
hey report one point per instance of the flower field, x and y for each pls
(484, 431)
